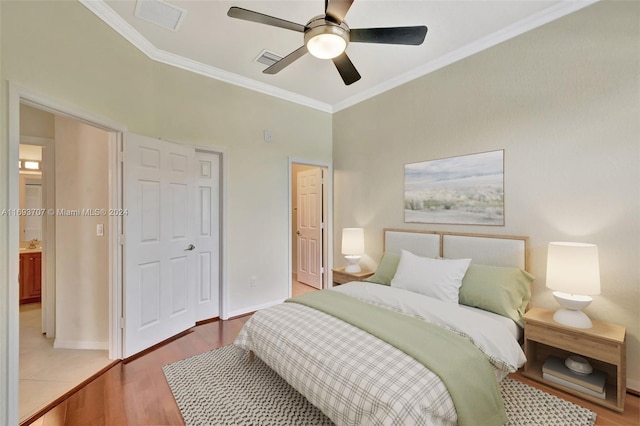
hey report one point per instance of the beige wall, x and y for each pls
(64, 52)
(82, 267)
(36, 122)
(563, 103)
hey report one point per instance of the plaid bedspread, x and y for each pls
(352, 376)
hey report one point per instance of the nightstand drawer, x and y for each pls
(575, 343)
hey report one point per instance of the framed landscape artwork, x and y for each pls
(467, 190)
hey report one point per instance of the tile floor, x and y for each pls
(47, 373)
(300, 288)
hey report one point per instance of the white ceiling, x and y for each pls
(211, 43)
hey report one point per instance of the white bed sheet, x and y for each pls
(516, 331)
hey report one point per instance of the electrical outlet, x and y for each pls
(100, 230)
(252, 281)
(268, 136)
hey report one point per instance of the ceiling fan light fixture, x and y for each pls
(326, 46)
(324, 39)
(327, 36)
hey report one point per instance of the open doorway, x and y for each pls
(309, 235)
(64, 274)
(79, 243)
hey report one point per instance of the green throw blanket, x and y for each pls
(463, 368)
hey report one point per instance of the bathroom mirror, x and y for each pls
(31, 225)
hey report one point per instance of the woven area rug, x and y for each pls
(221, 388)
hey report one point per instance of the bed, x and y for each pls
(425, 340)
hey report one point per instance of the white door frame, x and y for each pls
(219, 178)
(327, 195)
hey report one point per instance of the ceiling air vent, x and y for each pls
(160, 13)
(268, 58)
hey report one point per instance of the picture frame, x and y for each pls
(464, 190)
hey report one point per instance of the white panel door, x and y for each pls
(309, 207)
(207, 233)
(159, 296)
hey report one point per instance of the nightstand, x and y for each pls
(603, 345)
(341, 277)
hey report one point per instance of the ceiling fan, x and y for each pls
(327, 36)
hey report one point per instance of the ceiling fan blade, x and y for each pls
(347, 71)
(261, 18)
(337, 9)
(395, 35)
(286, 61)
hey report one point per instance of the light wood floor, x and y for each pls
(46, 373)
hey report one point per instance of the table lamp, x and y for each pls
(573, 271)
(352, 248)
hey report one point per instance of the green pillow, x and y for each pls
(504, 291)
(386, 269)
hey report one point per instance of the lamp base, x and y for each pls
(571, 315)
(571, 318)
(353, 266)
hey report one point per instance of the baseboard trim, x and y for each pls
(80, 344)
(157, 345)
(633, 387)
(207, 321)
(251, 309)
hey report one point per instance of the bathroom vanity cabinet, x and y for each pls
(30, 277)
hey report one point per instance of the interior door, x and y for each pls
(159, 296)
(309, 233)
(207, 235)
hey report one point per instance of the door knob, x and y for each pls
(191, 247)
(298, 232)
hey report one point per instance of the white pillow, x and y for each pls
(438, 278)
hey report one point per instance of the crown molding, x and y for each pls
(115, 21)
(122, 27)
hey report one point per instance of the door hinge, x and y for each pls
(121, 156)
(322, 270)
(121, 239)
(321, 225)
(122, 323)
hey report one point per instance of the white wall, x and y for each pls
(563, 102)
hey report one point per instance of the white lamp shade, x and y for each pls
(573, 268)
(352, 241)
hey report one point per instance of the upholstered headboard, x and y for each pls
(496, 250)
